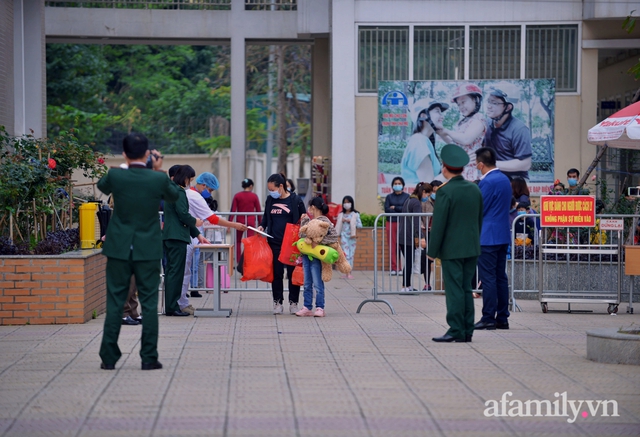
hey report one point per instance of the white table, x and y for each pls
(222, 256)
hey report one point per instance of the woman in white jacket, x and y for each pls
(346, 224)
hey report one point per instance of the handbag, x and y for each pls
(297, 278)
(258, 259)
(289, 252)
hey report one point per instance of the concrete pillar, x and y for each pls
(343, 91)
(321, 100)
(238, 95)
(6, 66)
(29, 68)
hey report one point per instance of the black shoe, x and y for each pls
(129, 321)
(485, 325)
(195, 294)
(138, 319)
(104, 366)
(152, 366)
(177, 314)
(504, 325)
(448, 339)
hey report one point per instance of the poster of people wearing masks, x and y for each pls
(514, 117)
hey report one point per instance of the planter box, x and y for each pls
(363, 259)
(52, 289)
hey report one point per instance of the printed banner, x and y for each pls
(560, 211)
(514, 117)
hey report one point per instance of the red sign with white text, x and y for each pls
(571, 211)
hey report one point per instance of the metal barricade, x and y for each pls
(570, 264)
(219, 234)
(390, 261)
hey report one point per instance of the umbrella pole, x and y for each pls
(593, 165)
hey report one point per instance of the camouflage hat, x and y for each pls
(454, 157)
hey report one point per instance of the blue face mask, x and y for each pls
(512, 210)
(522, 212)
(424, 199)
(274, 194)
(572, 182)
(397, 188)
(433, 196)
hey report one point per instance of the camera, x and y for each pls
(634, 192)
(156, 156)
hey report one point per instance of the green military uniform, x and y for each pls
(179, 227)
(455, 239)
(133, 246)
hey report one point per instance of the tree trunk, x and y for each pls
(281, 108)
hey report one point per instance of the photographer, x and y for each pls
(154, 161)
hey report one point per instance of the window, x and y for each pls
(438, 53)
(383, 54)
(494, 52)
(552, 51)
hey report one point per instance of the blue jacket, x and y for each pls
(496, 201)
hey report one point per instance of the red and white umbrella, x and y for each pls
(620, 130)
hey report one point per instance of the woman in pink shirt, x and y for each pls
(245, 201)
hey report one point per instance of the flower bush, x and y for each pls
(36, 187)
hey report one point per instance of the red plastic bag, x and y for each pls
(297, 278)
(289, 253)
(258, 259)
(334, 211)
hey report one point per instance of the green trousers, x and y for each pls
(176, 251)
(457, 275)
(147, 274)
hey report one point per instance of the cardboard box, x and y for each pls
(632, 260)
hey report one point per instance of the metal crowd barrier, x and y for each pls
(386, 280)
(571, 264)
(218, 234)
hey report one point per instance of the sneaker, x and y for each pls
(427, 287)
(349, 276)
(408, 290)
(319, 312)
(277, 308)
(393, 273)
(293, 308)
(188, 309)
(304, 312)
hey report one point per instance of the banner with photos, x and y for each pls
(514, 117)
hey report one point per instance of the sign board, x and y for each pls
(611, 224)
(567, 211)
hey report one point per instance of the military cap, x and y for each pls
(454, 157)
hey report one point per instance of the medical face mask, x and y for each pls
(572, 182)
(397, 188)
(275, 194)
(346, 206)
(522, 212)
(424, 199)
(433, 196)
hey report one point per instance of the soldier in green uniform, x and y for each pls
(133, 246)
(179, 228)
(455, 239)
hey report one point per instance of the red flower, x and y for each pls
(52, 163)
(100, 160)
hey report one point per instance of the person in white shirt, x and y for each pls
(198, 208)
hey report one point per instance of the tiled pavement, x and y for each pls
(368, 374)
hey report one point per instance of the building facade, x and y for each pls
(356, 43)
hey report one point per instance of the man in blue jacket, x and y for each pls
(494, 242)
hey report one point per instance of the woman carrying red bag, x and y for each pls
(281, 207)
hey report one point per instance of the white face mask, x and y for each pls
(347, 206)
